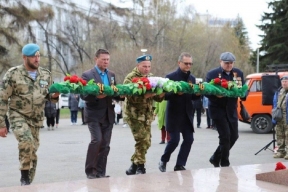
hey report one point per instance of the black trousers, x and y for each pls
(99, 147)
(57, 115)
(82, 115)
(50, 121)
(7, 123)
(198, 113)
(185, 148)
(228, 135)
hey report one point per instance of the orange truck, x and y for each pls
(261, 121)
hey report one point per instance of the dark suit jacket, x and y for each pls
(179, 107)
(219, 107)
(98, 109)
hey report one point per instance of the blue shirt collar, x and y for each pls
(99, 71)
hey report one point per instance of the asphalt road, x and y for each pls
(62, 153)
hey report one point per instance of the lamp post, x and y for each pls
(143, 51)
(257, 64)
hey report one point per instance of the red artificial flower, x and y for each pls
(66, 78)
(144, 80)
(280, 166)
(74, 79)
(217, 80)
(140, 86)
(224, 84)
(223, 80)
(84, 83)
(135, 80)
(148, 86)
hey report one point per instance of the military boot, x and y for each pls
(140, 169)
(279, 155)
(25, 177)
(131, 170)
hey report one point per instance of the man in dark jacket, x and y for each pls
(223, 110)
(179, 116)
(100, 117)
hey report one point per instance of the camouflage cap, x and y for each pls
(30, 49)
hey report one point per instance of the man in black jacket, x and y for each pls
(179, 117)
(223, 110)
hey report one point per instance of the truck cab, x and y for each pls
(261, 120)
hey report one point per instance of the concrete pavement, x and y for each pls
(62, 153)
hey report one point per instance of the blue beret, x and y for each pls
(30, 49)
(144, 58)
(285, 77)
(227, 56)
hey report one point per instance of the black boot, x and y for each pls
(140, 169)
(25, 177)
(131, 170)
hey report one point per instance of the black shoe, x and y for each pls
(102, 176)
(179, 168)
(91, 176)
(214, 162)
(198, 126)
(162, 166)
(162, 142)
(83, 124)
(25, 177)
(132, 169)
(140, 169)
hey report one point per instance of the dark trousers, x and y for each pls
(99, 147)
(209, 120)
(228, 135)
(50, 121)
(57, 115)
(74, 116)
(82, 115)
(185, 148)
(198, 113)
(7, 123)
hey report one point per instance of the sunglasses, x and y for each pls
(187, 63)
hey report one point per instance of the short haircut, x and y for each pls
(184, 54)
(101, 51)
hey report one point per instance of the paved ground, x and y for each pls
(61, 155)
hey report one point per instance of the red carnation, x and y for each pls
(74, 79)
(224, 84)
(217, 80)
(66, 78)
(224, 80)
(144, 80)
(279, 166)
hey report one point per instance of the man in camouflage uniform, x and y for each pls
(139, 116)
(23, 94)
(280, 100)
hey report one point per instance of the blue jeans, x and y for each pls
(74, 116)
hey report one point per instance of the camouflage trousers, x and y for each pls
(282, 136)
(142, 135)
(28, 143)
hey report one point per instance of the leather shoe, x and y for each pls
(162, 142)
(179, 168)
(102, 176)
(132, 169)
(24, 181)
(162, 166)
(91, 176)
(214, 162)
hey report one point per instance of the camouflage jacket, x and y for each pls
(137, 107)
(24, 98)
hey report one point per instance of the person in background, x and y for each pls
(223, 110)
(81, 107)
(197, 107)
(179, 118)
(50, 114)
(7, 123)
(23, 94)
(73, 103)
(160, 110)
(205, 105)
(281, 100)
(118, 111)
(57, 113)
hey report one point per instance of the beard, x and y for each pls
(31, 65)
